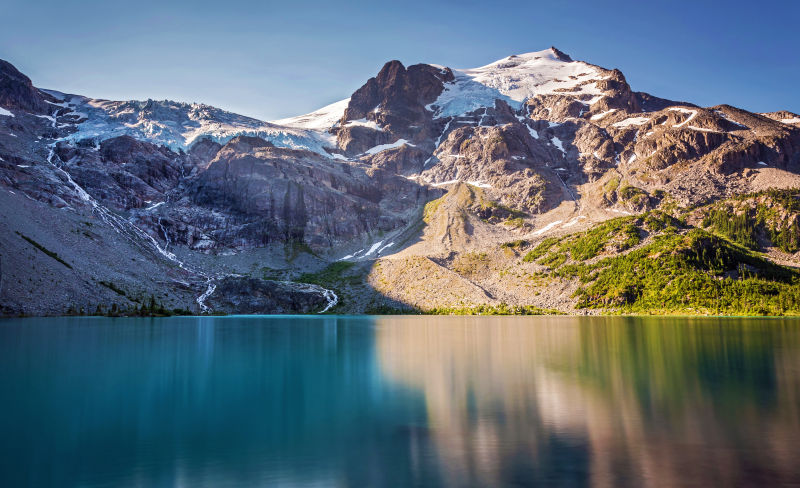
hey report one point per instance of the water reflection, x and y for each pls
(398, 401)
(606, 401)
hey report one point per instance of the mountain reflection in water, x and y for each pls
(399, 401)
(604, 401)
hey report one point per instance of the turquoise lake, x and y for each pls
(399, 401)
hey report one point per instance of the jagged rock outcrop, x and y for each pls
(392, 106)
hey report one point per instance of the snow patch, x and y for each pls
(450, 182)
(631, 121)
(726, 117)
(384, 147)
(575, 221)
(602, 114)
(5, 112)
(154, 206)
(557, 142)
(685, 111)
(374, 248)
(364, 123)
(793, 120)
(385, 247)
(547, 227)
(703, 129)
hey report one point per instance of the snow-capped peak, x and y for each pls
(516, 78)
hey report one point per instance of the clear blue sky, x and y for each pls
(275, 59)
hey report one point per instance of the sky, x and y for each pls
(277, 59)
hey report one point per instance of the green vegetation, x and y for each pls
(669, 268)
(44, 250)
(541, 249)
(637, 196)
(516, 222)
(150, 308)
(431, 208)
(491, 204)
(495, 212)
(786, 239)
(268, 273)
(518, 244)
(616, 235)
(691, 272)
(502, 309)
(739, 228)
(295, 247)
(332, 275)
(111, 286)
(611, 186)
(590, 243)
(747, 219)
(383, 309)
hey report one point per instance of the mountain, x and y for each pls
(430, 188)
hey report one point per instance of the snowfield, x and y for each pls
(514, 79)
(322, 119)
(178, 125)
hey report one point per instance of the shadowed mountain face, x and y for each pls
(17, 91)
(548, 146)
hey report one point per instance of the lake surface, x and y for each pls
(399, 401)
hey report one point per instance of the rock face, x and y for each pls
(123, 173)
(256, 296)
(530, 146)
(277, 194)
(392, 106)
